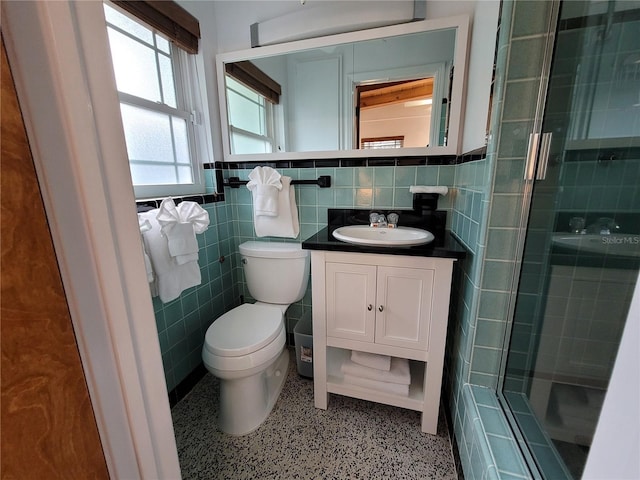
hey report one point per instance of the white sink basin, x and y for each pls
(382, 237)
(614, 244)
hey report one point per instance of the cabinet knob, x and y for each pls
(370, 307)
(380, 308)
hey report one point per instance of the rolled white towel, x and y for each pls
(179, 225)
(398, 373)
(373, 360)
(428, 189)
(386, 387)
(265, 186)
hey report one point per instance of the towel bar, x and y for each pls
(323, 181)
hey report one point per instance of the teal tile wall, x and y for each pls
(486, 217)
(352, 187)
(487, 449)
(183, 322)
(593, 186)
(511, 125)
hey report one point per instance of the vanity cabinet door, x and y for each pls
(403, 308)
(350, 301)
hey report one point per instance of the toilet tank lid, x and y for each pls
(273, 250)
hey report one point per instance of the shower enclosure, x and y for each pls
(581, 236)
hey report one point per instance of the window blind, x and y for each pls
(251, 76)
(168, 18)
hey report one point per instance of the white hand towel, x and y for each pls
(285, 224)
(265, 185)
(171, 278)
(180, 225)
(393, 388)
(373, 360)
(145, 226)
(182, 242)
(198, 217)
(427, 189)
(398, 373)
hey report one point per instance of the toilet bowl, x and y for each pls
(245, 347)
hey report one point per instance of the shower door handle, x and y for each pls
(532, 155)
(543, 162)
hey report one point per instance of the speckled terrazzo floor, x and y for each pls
(352, 439)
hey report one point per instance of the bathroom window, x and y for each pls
(382, 142)
(251, 119)
(157, 87)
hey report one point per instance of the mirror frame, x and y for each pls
(458, 88)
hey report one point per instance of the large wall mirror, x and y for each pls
(398, 90)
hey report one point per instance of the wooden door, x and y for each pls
(48, 427)
(403, 309)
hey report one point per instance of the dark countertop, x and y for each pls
(444, 246)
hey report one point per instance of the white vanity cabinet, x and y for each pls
(387, 304)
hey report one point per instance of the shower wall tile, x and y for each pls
(530, 17)
(497, 275)
(501, 243)
(594, 186)
(513, 139)
(525, 56)
(520, 99)
(485, 444)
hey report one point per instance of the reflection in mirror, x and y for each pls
(396, 114)
(388, 89)
(252, 97)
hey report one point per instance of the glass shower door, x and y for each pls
(582, 248)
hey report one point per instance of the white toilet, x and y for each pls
(245, 347)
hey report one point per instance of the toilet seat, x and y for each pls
(244, 338)
(243, 330)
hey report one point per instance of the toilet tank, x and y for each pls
(275, 272)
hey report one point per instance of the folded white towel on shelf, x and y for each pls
(398, 373)
(171, 278)
(180, 225)
(386, 387)
(145, 226)
(265, 186)
(428, 189)
(373, 360)
(285, 224)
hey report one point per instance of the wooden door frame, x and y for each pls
(58, 52)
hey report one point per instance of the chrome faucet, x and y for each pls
(377, 220)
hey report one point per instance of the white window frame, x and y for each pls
(190, 98)
(269, 119)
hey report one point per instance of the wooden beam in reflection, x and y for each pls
(395, 92)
